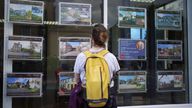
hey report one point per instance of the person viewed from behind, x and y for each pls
(95, 70)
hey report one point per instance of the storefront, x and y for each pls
(39, 41)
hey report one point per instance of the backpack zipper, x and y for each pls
(101, 83)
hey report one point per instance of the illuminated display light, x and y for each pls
(50, 22)
(145, 1)
(2, 20)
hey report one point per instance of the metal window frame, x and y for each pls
(188, 45)
(7, 63)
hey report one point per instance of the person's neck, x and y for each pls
(96, 47)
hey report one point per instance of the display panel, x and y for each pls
(129, 17)
(66, 83)
(25, 48)
(170, 81)
(70, 47)
(132, 81)
(30, 12)
(24, 84)
(169, 49)
(132, 49)
(74, 14)
(168, 20)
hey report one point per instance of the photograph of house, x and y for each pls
(24, 49)
(132, 83)
(129, 17)
(25, 12)
(169, 50)
(72, 47)
(66, 83)
(78, 14)
(168, 20)
(170, 81)
(23, 86)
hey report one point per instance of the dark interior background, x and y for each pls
(1, 50)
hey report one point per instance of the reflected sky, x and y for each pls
(64, 77)
(135, 33)
(126, 77)
(14, 80)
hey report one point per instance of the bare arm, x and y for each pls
(77, 78)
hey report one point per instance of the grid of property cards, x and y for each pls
(79, 14)
(25, 84)
(132, 50)
(135, 50)
(169, 50)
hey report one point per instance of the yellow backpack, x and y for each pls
(97, 79)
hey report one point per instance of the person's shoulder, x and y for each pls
(110, 55)
(81, 55)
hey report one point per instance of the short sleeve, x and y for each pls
(115, 64)
(112, 62)
(79, 63)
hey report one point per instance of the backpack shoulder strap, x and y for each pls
(87, 53)
(103, 53)
(99, 54)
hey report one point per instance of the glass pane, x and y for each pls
(51, 65)
(130, 32)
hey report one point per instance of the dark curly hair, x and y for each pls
(99, 35)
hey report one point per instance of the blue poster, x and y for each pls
(132, 49)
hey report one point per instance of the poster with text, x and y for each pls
(132, 49)
(170, 81)
(168, 20)
(30, 12)
(25, 48)
(70, 47)
(169, 49)
(132, 81)
(66, 83)
(24, 84)
(131, 17)
(74, 14)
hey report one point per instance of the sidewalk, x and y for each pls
(161, 106)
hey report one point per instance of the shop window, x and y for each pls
(125, 25)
